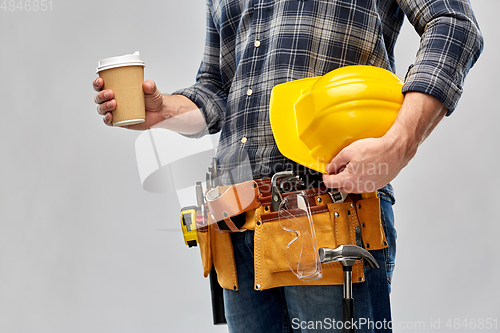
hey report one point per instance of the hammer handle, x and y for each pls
(348, 315)
(217, 299)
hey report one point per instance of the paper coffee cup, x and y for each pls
(125, 75)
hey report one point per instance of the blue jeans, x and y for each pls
(311, 308)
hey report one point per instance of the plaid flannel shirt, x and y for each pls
(253, 45)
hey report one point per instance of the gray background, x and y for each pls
(83, 246)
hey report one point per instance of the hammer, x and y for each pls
(347, 255)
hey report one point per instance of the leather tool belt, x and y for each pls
(248, 206)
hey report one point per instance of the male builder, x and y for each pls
(253, 45)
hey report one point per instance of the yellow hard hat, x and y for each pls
(313, 119)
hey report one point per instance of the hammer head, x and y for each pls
(347, 255)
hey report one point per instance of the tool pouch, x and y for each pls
(216, 249)
(204, 243)
(228, 208)
(355, 221)
(335, 224)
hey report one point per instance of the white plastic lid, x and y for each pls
(124, 60)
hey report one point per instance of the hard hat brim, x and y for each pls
(284, 126)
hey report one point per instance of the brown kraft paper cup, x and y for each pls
(125, 79)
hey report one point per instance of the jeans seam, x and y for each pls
(247, 243)
(386, 249)
(285, 321)
(385, 197)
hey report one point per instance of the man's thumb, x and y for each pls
(149, 87)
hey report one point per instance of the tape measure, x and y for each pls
(188, 225)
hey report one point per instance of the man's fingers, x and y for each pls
(335, 181)
(103, 96)
(98, 84)
(338, 163)
(105, 100)
(105, 107)
(346, 183)
(108, 119)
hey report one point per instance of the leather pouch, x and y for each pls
(204, 243)
(334, 223)
(216, 249)
(271, 265)
(368, 211)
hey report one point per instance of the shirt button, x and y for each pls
(243, 139)
(257, 43)
(249, 92)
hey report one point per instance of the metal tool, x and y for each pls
(278, 182)
(202, 217)
(337, 196)
(347, 255)
(213, 174)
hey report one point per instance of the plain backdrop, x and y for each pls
(84, 248)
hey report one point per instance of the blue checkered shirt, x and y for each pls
(253, 45)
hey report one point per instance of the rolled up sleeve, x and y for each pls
(208, 93)
(451, 43)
